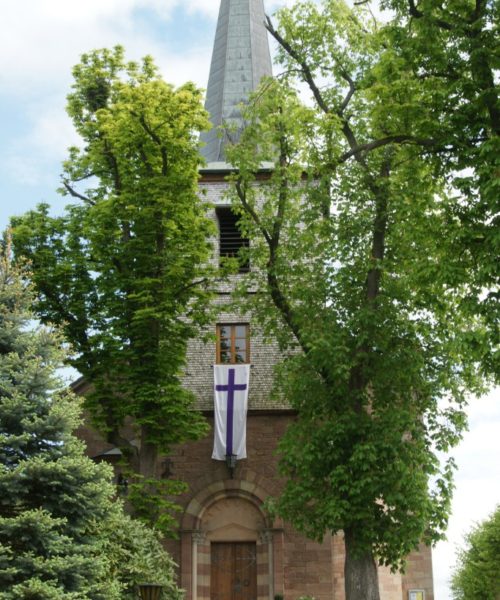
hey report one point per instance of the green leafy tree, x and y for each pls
(447, 54)
(136, 555)
(124, 271)
(62, 535)
(356, 283)
(477, 576)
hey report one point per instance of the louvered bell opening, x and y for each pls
(150, 591)
(230, 238)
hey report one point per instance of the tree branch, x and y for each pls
(157, 140)
(250, 211)
(272, 241)
(418, 14)
(378, 236)
(76, 194)
(391, 139)
(191, 286)
(145, 160)
(113, 163)
(303, 64)
(283, 192)
(84, 177)
(277, 295)
(307, 74)
(80, 327)
(350, 93)
(478, 10)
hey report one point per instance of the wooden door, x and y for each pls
(233, 571)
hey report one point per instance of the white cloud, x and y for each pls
(24, 168)
(39, 44)
(41, 40)
(207, 7)
(52, 131)
(31, 157)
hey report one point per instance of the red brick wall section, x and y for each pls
(303, 567)
(338, 555)
(193, 463)
(307, 567)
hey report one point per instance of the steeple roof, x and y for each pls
(240, 59)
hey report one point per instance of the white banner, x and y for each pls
(230, 410)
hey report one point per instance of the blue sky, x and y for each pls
(40, 41)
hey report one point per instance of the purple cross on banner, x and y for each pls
(230, 388)
(231, 384)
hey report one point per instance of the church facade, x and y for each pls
(228, 547)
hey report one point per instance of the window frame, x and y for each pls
(232, 339)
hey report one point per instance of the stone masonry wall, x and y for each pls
(201, 354)
(305, 567)
(418, 575)
(263, 356)
(301, 566)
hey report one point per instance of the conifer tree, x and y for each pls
(62, 535)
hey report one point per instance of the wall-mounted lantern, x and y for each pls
(231, 463)
(149, 591)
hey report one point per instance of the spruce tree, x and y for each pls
(62, 535)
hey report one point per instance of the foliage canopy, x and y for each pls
(367, 270)
(124, 270)
(476, 575)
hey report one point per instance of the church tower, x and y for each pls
(228, 547)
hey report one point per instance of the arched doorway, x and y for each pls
(232, 548)
(232, 527)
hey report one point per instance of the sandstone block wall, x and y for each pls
(418, 575)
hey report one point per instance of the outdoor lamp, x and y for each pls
(150, 591)
(231, 463)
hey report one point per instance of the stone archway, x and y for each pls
(234, 516)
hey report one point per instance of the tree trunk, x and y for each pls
(148, 456)
(360, 571)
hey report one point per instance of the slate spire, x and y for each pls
(240, 59)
